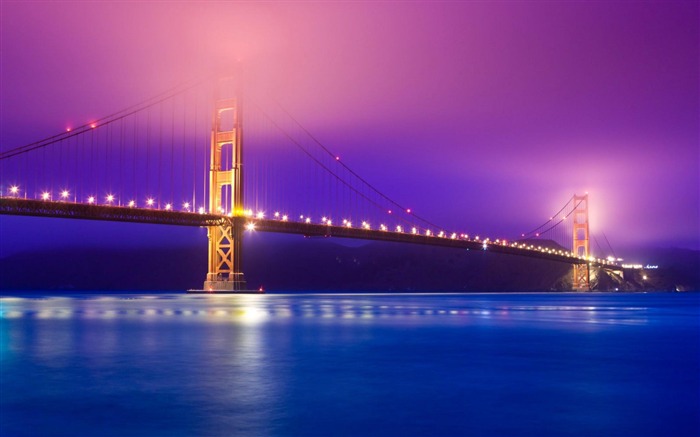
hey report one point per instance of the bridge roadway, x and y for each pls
(59, 209)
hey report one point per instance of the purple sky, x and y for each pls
(485, 116)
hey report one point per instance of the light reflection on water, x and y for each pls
(253, 309)
(380, 364)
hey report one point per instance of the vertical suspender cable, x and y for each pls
(160, 153)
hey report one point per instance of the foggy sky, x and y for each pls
(484, 116)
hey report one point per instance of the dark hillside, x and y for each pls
(298, 264)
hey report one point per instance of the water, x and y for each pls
(350, 365)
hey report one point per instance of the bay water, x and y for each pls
(156, 364)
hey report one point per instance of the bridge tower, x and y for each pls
(582, 274)
(226, 190)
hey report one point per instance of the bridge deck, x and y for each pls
(38, 208)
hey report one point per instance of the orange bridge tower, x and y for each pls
(581, 247)
(226, 191)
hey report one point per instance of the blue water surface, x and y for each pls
(350, 365)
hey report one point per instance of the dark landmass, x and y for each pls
(320, 264)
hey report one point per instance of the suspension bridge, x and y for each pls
(178, 159)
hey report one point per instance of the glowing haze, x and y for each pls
(482, 116)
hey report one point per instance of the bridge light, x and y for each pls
(201, 210)
(389, 211)
(132, 204)
(260, 215)
(14, 189)
(277, 214)
(441, 234)
(399, 228)
(110, 198)
(414, 231)
(348, 224)
(68, 129)
(329, 222)
(248, 212)
(91, 199)
(93, 125)
(45, 195)
(250, 226)
(453, 236)
(186, 205)
(324, 219)
(382, 227)
(285, 218)
(427, 232)
(65, 194)
(150, 201)
(337, 158)
(408, 211)
(484, 246)
(365, 225)
(168, 207)
(308, 220)
(345, 221)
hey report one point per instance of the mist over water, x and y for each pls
(379, 364)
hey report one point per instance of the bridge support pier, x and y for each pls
(582, 277)
(225, 245)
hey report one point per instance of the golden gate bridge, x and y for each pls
(178, 159)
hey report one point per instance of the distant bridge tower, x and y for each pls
(225, 242)
(582, 277)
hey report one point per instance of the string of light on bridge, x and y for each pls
(255, 217)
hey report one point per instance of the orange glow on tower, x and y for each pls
(225, 241)
(581, 245)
